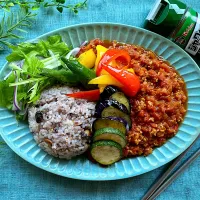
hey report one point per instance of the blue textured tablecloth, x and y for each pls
(20, 180)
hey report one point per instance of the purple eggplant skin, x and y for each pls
(99, 108)
(109, 102)
(120, 120)
(108, 91)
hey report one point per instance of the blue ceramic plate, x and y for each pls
(20, 140)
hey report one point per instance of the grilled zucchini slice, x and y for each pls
(106, 152)
(116, 123)
(110, 134)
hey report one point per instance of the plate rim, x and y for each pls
(175, 155)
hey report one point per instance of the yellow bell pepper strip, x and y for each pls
(129, 80)
(101, 87)
(87, 58)
(100, 51)
(131, 70)
(91, 95)
(105, 80)
(121, 56)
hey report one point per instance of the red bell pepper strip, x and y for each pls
(110, 55)
(91, 95)
(130, 81)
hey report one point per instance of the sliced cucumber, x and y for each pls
(106, 152)
(110, 134)
(111, 111)
(105, 122)
(121, 98)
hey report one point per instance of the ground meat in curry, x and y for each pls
(159, 107)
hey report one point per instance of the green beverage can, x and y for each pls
(178, 22)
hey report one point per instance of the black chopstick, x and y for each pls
(155, 186)
(174, 175)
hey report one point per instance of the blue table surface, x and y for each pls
(21, 180)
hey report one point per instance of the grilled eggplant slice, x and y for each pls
(109, 102)
(114, 112)
(121, 98)
(108, 91)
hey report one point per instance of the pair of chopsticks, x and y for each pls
(166, 179)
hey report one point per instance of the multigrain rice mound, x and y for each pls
(61, 125)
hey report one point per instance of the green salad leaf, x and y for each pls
(32, 66)
(6, 92)
(19, 51)
(53, 44)
(35, 67)
(44, 48)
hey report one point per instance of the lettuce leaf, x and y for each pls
(6, 92)
(19, 51)
(32, 66)
(40, 70)
(42, 48)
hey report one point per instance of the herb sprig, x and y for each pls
(60, 5)
(13, 24)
